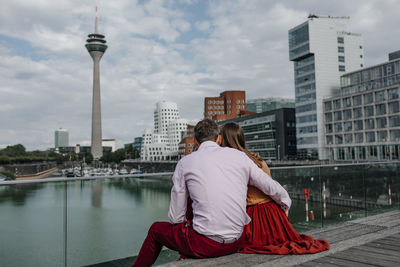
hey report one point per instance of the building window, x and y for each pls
(338, 139)
(359, 137)
(340, 40)
(380, 109)
(394, 121)
(382, 136)
(380, 96)
(328, 128)
(242, 101)
(347, 102)
(368, 98)
(337, 115)
(341, 58)
(369, 124)
(238, 101)
(393, 93)
(348, 138)
(336, 104)
(342, 68)
(338, 127)
(370, 137)
(360, 46)
(328, 106)
(394, 107)
(340, 49)
(348, 126)
(361, 56)
(381, 123)
(369, 111)
(361, 65)
(357, 112)
(347, 114)
(358, 125)
(228, 101)
(328, 117)
(357, 100)
(395, 135)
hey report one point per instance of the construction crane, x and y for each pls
(315, 16)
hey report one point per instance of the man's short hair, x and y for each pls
(206, 130)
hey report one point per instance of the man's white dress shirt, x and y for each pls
(216, 179)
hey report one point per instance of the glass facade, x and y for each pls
(372, 124)
(305, 92)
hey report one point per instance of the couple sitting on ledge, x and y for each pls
(224, 201)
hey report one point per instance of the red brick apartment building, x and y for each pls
(186, 145)
(229, 105)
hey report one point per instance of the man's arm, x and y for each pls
(179, 195)
(269, 186)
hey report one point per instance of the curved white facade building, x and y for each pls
(163, 114)
(176, 129)
(162, 143)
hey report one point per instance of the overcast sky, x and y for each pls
(179, 51)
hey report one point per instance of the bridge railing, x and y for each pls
(77, 221)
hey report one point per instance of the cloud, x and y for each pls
(157, 50)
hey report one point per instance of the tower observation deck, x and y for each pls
(96, 46)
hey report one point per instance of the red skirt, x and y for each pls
(270, 232)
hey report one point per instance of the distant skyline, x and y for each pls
(179, 51)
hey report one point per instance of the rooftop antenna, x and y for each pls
(96, 30)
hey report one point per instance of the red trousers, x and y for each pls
(183, 238)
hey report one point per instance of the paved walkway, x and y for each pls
(371, 241)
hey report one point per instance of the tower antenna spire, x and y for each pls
(96, 30)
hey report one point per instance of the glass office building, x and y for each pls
(321, 49)
(363, 121)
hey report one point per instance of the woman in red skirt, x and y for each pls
(269, 231)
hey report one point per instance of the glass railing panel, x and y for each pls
(344, 191)
(31, 224)
(382, 187)
(301, 182)
(108, 219)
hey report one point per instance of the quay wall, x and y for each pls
(29, 169)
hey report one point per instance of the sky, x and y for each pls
(180, 51)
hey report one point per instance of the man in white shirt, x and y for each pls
(215, 178)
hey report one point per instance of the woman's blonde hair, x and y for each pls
(233, 136)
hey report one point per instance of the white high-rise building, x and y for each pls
(176, 130)
(61, 138)
(162, 143)
(322, 49)
(163, 114)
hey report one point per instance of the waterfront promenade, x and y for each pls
(370, 241)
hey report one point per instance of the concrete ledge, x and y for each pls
(341, 238)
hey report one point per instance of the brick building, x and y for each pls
(186, 145)
(228, 105)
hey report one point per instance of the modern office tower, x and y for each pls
(228, 105)
(265, 104)
(96, 46)
(321, 49)
(61, 138)
(271, 134)
(162, 143)
(362, 122)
